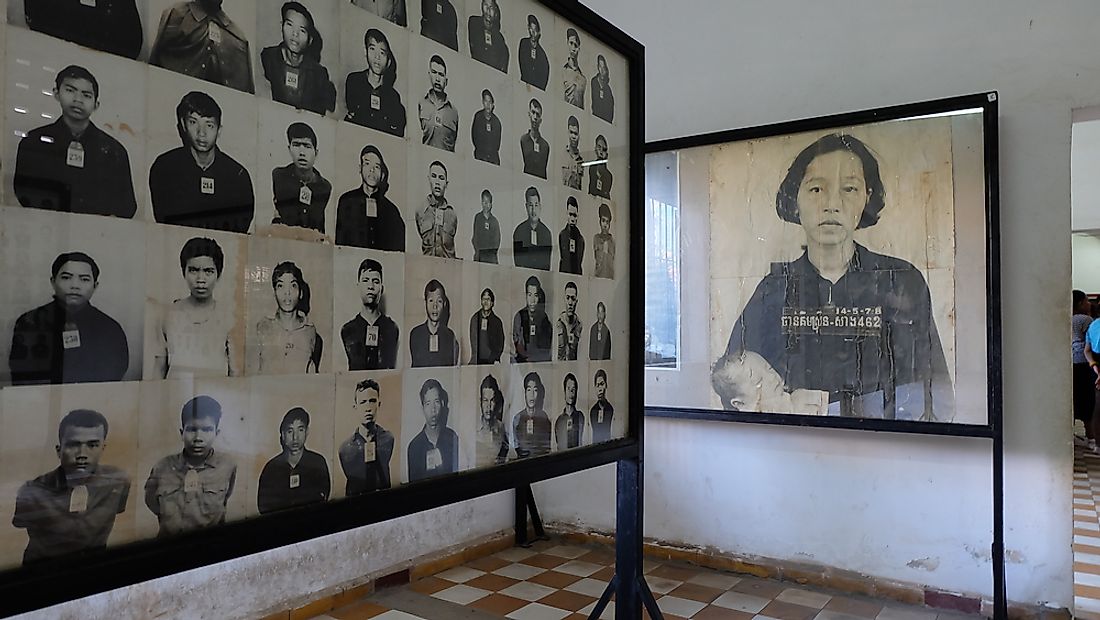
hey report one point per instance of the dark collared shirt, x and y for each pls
(357, 225)
(535, 153)
(486, 338)
(421, 446)
(485, 132)
(568, 429)
(533, 253)
(602, 413)
(571, 250)
(420, 345)
(487, 46)
(599, 342)
(96, 181)
(603, 101)
(532, 433)
(112, 26)
(282, 486)
(600, 180)
(179, 508)
(387, 116)
(532, 347)
(364, 476)
(44, 348)
(486, 238)
(42, 507)
(306, 87)
(534, 66)
(218, 198)
(207, 46)
(439, 22)
(374, 357)
(287, 187)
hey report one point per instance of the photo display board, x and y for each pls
(849, 267)
(271, 262)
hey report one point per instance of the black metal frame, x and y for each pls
(71, 577)
(993, 429)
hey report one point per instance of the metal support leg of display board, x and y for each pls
(628, 585)
(525, 504)
(1000, 595)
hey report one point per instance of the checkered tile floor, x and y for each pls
(1086, 534)
(553, 581)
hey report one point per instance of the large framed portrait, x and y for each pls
(842, 271)
(283, 269)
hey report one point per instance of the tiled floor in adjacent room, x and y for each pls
(553, 581)
(1086, 534)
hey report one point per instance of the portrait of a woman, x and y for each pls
(841, 330)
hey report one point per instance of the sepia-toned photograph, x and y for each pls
(368, 426)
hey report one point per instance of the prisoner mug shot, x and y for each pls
(531, 245)
(840, 321)
(198, 184)
(487, 44)
(199, 39)
(534, 65)
(297, 475)
(68, 340)
(603, 100)
(370, 337)
(301, 192)
(72, 508)
(485, 130)
(194, 331)
(570, 327)
(371, 94)
(390, 10)
(572, 172)
(365, 455)
(434, 450)
(600, 178)
(112, 26)
(599, 338)
(437, 222)
(71, 165)
(287, 342)
(572, 76)
(433, 343)
(533, 148)
(531, 331)
(486, 231)
(486, 331)
(603, 245)
(293, 68)
(571, 241)
(439, 22)
(602, 413)
(438, 116)
(569, 425)
(531, 425)
(190, 489)
(365, 216)
(492, 437)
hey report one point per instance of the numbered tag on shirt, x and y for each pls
(78, 499)
(305, 195)
(599, 416)
(372, 207)
(375, 102)
(484, 324)
(534, 237)
(439, 218)
(486, 224)
(599, 185)
(295, 481)
(206, 185)
(536, 147)
(530, 426)
(439, 8)
(569, 424)
(601, 93)
(370, 452)
(70, 339)
(215, 33)
(437, 119)
(599, 335)
(534, 53)
(488, 38)
(434, 459)
(572, 336)
(292, 79)
(74, 156)
(572, 246)
(488, 127)
(90, 3)
(532, 330)
(433, 343)
(191, 481)
(372, 335)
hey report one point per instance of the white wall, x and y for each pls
(1086, 262)
(903, 507)
(267, 582)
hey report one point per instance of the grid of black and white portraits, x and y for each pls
(257, 255)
